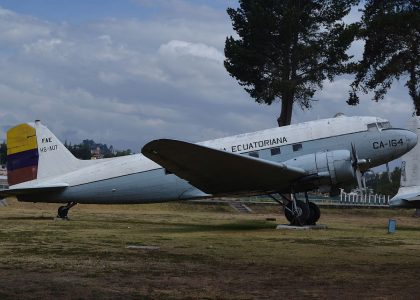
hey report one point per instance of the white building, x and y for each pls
(3, 177)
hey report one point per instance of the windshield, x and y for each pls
(378, 126)
(372, 127)
(384, 125)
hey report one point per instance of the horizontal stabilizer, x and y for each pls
(32, 190)
(219, 172)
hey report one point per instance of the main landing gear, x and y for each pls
(297, 212)
(64, 210)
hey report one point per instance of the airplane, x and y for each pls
(278, 162)
(408, 195)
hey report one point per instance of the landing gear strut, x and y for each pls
(64, 210)
(298, 212)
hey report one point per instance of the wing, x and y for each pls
(32, 190)
(219, 172)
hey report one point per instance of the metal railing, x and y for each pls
(366, 199)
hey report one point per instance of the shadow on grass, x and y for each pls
(30, 218)
(239, 226)
(408, 228)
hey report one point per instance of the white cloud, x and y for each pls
(176, 48)
(15, 28)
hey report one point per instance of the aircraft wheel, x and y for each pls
(314, 214)
(62, 212)
(298, 216)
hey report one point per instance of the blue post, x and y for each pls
(392, 225)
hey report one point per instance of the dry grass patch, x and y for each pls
(205, 252)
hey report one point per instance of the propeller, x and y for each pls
(356, 162)
(387, 171)
(364, 180)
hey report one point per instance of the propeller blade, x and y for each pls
(361, 181)
(359, 178)
(354, 157)
(387, 171)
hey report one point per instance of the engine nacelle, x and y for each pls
(329, 168)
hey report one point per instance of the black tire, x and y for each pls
(62, 212)
(298, 217)
(314, 214)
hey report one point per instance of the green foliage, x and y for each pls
(81, 151)
(286, 49)
(123, 153)
(381, 185)
(391, 31)
(118, 153)
(88, 149)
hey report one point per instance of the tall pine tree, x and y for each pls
(391, 31)
(287, 48)
(3, 153)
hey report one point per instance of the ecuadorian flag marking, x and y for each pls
(22, 154)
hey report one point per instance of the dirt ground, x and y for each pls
(204, 252)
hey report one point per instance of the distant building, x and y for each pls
(96, 153)
(3, 177)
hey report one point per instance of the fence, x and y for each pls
(367, 199)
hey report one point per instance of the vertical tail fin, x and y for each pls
(34, 152)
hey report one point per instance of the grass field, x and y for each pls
(205, 252)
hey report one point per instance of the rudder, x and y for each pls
(22, 154)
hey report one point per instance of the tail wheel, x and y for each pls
(297, 215)
(62, 212)
(314, 214)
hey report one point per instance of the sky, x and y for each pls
(129, 71)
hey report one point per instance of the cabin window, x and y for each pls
(254, 154)
(275, 151)
(297, 147)
(372, 127)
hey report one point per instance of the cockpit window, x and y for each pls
(384, 125)
(372, 127)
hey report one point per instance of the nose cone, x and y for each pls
(411, 139)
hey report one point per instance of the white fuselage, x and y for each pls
(136, 179)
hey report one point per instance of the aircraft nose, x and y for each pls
(411, 139)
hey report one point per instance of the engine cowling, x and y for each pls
(328, 168)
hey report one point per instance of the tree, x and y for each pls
(381, 184)
(386, 187)
(89, 148)
(287, 48)
(81, 151)
(391, 31)
(3, 153)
